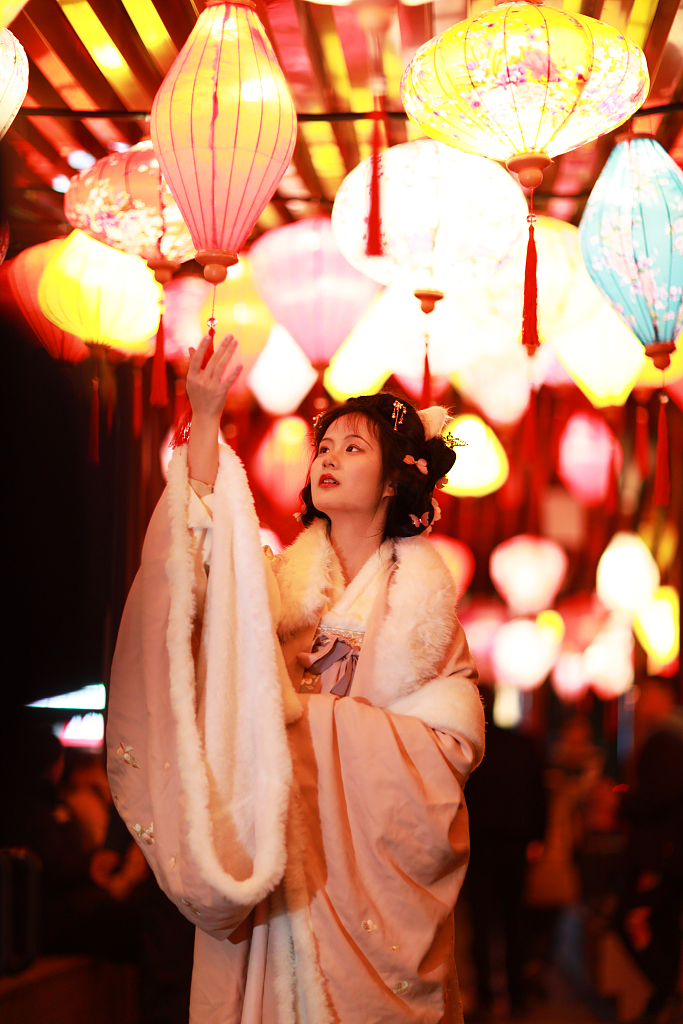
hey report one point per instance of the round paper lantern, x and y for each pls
(631, 236)
(627, 575)
(282, 375)
(480, 468)
(527, 572)
(657, 625)
(500, 387)
(309, 286)
(123, 201)
(224, 128)
(589, 454)
(458, 558)
(184, 297)
(608, 661)
(448, 218)
(632, 242)
(481, 619)
(522, 83)
(13, 78)
(281, 462)
(101, 295)
(24, 273)
(523, 653)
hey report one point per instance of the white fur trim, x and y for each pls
(451, 704)
(309, 577)
(249, 795)
(415, 638)
(434, 419)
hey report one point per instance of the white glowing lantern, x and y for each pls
(569, 678)
(627, 575)
(481, 467)
(657, 625)
(589, 454)
(448, 218)
(602, 357)
(282, 375)
(528, 571)
(13, 78)
(500, 387)
(608, 661)
(523, 653)
(458, 558)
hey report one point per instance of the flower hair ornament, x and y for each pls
(420, 464)
(423, 520)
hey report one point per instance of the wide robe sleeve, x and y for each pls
(198, 759)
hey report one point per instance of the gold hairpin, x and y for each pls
(454, 442)
(398, 414)
(317, 420)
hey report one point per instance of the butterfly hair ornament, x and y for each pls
(420, 464)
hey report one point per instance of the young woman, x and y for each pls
(289, 737)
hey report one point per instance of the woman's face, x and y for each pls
(346, 475)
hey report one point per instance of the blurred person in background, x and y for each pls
(649, 912)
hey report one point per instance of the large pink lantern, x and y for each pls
(224, 128)
(528, 572)
(589, 454)
(309, 286)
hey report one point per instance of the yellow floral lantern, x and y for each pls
(523, 83)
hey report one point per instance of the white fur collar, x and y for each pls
(413, 642)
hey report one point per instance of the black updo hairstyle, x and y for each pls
(413, 489)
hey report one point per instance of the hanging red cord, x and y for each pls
(159, 395)
(530, 337)
(662, 482)
(642, 442)
(94, 441)
(373, 245)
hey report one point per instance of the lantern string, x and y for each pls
(427, 379)
(94, 441)
(662, 482)
(530, 309)
(159, 395)
(182, 430)
(137, 401)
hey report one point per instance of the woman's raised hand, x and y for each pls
(207, 388)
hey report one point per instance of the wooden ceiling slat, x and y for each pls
(301, 157)
(178, 18)
(47, 96)
(48, 19)
(117, 22)
(30, 134)
(314, 19)
(416, 25)
(659, 34)
(591, 8)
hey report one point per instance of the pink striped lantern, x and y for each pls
(309, 286)
(224, 126)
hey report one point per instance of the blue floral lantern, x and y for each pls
(631, 238)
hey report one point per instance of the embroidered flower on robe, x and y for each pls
(146, 834)
(127, 754)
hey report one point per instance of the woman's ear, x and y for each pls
(390, 488)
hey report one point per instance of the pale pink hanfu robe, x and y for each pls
(301, 802)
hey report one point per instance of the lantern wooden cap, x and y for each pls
(428, 298)
(660, 353)
(529, 167)
(230, 3)
(216, 263)
(163, 269)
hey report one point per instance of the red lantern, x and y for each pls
(24, 273)
(224, 127)
(309, 286)
(281, 462)
(589, 455)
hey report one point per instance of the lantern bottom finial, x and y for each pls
(428, 298)
(660, 353)
(216, 263)
(163, 269)
(529, 168)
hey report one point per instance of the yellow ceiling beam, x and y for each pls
(640, 21)
(152, 31)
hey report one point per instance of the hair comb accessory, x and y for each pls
(454, 442)
(317, 420)
(419, 521)
(420, 464)
(398, 414)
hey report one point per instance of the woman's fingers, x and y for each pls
(222, 356)
(197, 356)
(228, 383)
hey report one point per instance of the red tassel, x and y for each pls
(612, 496)
(426, 381)
(94, 442)
(529, 446)
(182, 431)
(530, 308)
(662, 484)
(137, 401)
(642, 444)
(374, 245)
(159, 396)
(180, 402)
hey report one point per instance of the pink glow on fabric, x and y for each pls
(309, 286)
(224, 127)
(24, 273)
(589, 453)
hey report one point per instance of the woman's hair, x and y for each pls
(399, 431)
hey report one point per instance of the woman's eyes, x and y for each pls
(350, 447)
